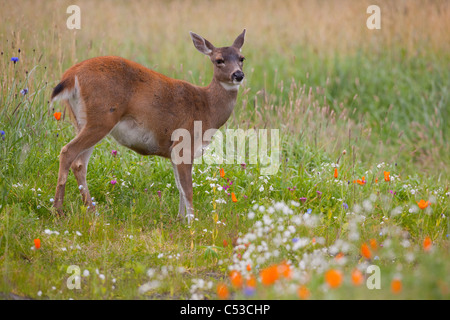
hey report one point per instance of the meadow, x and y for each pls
(359, 208)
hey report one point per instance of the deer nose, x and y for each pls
(238, 76)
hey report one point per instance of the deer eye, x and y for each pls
(220, 61)
(241, 59)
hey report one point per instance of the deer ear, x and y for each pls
(239, 42)
(202, 45)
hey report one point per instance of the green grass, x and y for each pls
(369, 111)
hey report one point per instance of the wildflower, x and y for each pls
(361, 182)
(113, 182)
(251, 282)
(249, 291)
(269, 275)
(14, 59)
(57, 115)
(333, 278)
(114, 152)
(284, 269)
(225, 243)
(24, 91)
(396, 286)
(244, 166)
(373, 244)
(376, 180)
(365, 251)
(309, 211)
(37, 243)
(302, 199)
(222, 291)
(319, 193)
(236, 279)
(303, 293)
(427, 244)
(423, 204)
(386, 176)
(345, 206)
(357, 277)
(335, 173)
(222, 173)
(233, 197)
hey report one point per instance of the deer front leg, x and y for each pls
(182, 206)
(183, 177)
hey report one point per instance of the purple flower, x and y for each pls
(113, 182)
(14, 59)
(393, 192)
(244, 166)
(302, 199)
(309, 211)
(345, 206)
(114, 152)
(159, 193)
(249, 291)
(294, 240)
(24, 91)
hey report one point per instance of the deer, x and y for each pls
(141, 108)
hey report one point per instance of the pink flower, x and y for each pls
(114, 152)
(113, 182)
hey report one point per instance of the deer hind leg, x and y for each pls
(183, 177)
(86, 139)
(79, 169)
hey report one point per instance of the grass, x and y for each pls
(361, 101)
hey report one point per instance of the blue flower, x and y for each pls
(2, 133)
(309, 211)
(14, 59)
(294, 240)
(345, 206)
(24, 91)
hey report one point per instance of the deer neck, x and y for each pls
(221, 100)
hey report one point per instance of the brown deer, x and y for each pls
(141, 109)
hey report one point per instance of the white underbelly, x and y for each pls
(129, 134)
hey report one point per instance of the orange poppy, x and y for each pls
(423, 204)
(373, 244)
(365, 251)
(335, 173)
(334, 278)
(376, 180)
(303, 293)
(222, 291)
(357, 277)
(396, 286)
(427, 244)
(225, 243)
(339, 256)
(251, 282)
(222, 173)
(57, 115)
(236, 279)
(233, 197)
(37, 243)
(386, 176)
(249, 267)
(269, 275)
(285, 270)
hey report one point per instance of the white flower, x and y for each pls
(86, 273)
(261, 189)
